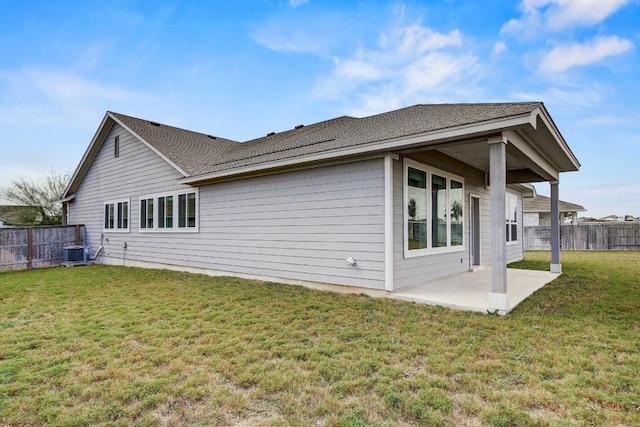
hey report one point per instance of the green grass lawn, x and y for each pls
(121, 346)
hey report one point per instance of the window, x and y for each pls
(146, 213)
(417, 207)
(116, 215)
(455, 208)
(511, 215)
(158, 212)
(434, 210)
(123, 215)
(191, 210)
(165, 212)
(116, 146)
(438, 211)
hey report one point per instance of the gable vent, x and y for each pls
(154, 123)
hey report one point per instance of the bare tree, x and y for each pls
(42, 197)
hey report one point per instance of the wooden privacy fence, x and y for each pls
(580, 237)
(36, 247)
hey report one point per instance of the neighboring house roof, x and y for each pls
(16, 215)
(543, 204)
(201, 158)
(611, 218)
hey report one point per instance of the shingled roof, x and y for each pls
(346, 131)
(543, 204)
(198, 154)
(189, 150)
(201, 158)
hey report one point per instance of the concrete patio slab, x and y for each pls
(470, 291)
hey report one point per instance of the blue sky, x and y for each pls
(241, 69)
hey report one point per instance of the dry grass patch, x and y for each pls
(120, 346)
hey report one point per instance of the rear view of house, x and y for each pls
(382, 202)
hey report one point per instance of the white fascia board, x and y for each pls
(85, 157)
(548, 122)
(522, 145)
(528, 191)
(427, 138)
(151, 147)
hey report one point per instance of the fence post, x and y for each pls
(77, 234)
(29, 247)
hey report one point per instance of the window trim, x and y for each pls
(508, 221)
(429, 250)
(116, 217)
(175, 228)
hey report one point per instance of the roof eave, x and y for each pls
(542, 113)
(422, 139)
(528, 190)
(87, 158)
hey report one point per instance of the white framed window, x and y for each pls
(434, 210)
(116, 216)
(170, 212)
(146, 213)
(511, 218)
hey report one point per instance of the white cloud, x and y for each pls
(556, 15)
(435, 70)
(53, 98)
(356, 69)
(297, 3)
(418, 39)
(566, 98)
(564, 57)
(498, 48)
(295, 40)
(65, 87)
(409, 64)
(567, 13)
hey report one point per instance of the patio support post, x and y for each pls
(498, 297)
(556, 267)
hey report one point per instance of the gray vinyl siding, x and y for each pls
(422, 269)
(299, 225)
(136, 172)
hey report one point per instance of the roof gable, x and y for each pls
(184, 150)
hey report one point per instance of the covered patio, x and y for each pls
(468, 291)
(507, 154)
